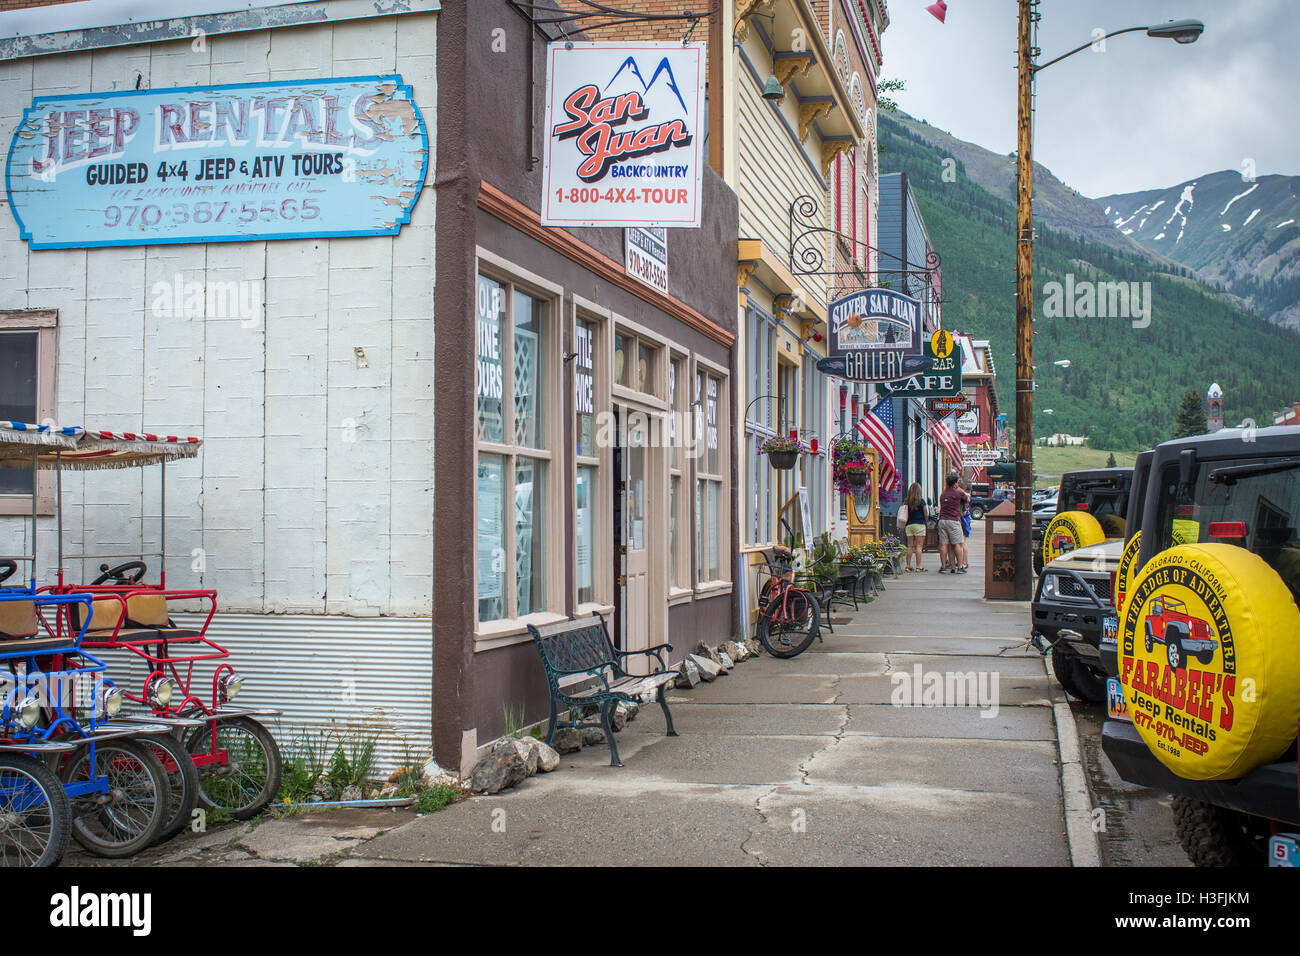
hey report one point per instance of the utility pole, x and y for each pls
(1025, 304)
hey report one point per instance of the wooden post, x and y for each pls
(1025, 304)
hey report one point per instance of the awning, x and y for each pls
(82, 449)
(980, 439)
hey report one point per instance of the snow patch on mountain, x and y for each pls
(1249, 218)
(1238, 196)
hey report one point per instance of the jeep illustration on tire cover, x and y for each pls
(1211, 713)
(1069, 531)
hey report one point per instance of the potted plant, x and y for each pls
(850, 467)
(782, 451)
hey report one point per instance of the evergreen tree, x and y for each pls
(1191, 418)
(1111, 462)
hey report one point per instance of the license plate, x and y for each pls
(1116, 705)
(1110, 628)
(1284, 850)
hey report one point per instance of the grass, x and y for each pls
(1051, 463)
(340, 759)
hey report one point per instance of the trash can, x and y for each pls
(1000, 552)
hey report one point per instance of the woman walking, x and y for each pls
(915, 525)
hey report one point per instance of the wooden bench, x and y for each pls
(571, 650)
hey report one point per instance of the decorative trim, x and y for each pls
(786, 65)
(744, 10)
(517, 215)
(811, 110)
(743, 272)
(832, 147)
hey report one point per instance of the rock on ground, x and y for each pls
(567, 740)
(708, 669)
(690, 674)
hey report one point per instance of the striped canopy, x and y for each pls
(77, 448)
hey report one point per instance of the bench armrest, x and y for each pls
(650, 652)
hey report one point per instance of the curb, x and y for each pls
(1085, 849)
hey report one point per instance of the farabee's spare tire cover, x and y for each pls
(1232, 702)
(1069, 531)
(1126, 573)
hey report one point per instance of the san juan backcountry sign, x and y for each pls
(624, 139)
(875, 336)
(252, 161)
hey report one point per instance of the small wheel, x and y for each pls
(976, 513)
(1174, 651)
(34, 813)
(1205, 657)
(183, 776)
(789, 634)
(1149, 641)
(1076, 677)
(247, 779)
(127, 818)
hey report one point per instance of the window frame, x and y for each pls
(720, 479)
(604, 322)
(681, 472)
(513, 625)
(45, 323)
(758, 425)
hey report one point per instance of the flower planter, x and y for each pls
(782, 460)
(857, 478)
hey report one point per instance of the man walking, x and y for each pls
(951, 539)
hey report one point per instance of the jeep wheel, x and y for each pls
(976, 512)
(1038, 560)
(1205, 657)
(1076, 677)
(1214, 836)
(1174, 651)
(1149, 641)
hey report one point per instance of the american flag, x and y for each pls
(877, 427)
(946, 437)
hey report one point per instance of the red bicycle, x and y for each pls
(789, 618)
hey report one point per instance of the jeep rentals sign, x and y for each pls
(624, 141)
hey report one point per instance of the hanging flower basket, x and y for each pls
(782, 460)
(850, 466)
(781, 451)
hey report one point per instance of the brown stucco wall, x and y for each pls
(486, 134)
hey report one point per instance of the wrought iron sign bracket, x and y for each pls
(808, 254)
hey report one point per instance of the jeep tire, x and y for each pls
(1078, 679)
(1215, 836)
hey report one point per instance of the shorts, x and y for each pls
(950, 533)
(915, 530)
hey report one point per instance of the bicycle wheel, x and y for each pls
(34, 813)
(788, 631)
(127, 818)
(183, 776)
(250, 776)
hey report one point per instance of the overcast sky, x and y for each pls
(1145, 113)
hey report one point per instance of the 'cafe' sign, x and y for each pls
(875, 336)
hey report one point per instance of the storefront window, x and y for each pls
(488, 376)
(679, 425)
(584, 387)
(512, 471)
(622, 363)
(760, 422)
(709, 529)
(585, 533)
(18, 365)
(491, 538)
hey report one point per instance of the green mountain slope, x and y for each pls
(1240, 236)
(1124, 384)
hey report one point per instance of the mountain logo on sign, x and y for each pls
(664, 67)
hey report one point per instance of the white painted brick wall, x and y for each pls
(291, 515)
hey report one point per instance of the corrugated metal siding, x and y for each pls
(359, 676)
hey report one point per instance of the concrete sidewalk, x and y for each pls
(802, 761)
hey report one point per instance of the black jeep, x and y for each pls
(1242, 488)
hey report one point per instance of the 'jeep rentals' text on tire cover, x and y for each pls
(1210, 660)
(1069, 531)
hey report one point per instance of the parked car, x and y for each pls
(1217, 494)
(1101, 492)
(1073, 611)
(981, 503)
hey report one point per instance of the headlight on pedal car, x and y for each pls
(230, 686)
(160, 690)
(110, 701)
(28, 712)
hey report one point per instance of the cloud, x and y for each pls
(1145, 113)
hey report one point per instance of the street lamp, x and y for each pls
(1180, 31)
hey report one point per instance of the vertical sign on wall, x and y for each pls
(646, 256)
(624, 141)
